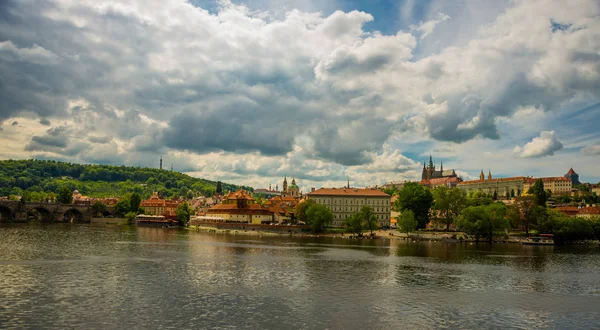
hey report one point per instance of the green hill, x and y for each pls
(34, 177)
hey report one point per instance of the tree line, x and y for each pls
(483, 217)
(36, 179)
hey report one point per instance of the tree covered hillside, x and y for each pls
(20, 177)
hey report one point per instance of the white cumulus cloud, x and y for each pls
(544, 145)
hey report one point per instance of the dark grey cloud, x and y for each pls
(99, 139)
(54, 139)
(45, 122)
(14, 123)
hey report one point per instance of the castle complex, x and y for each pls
(430, 172)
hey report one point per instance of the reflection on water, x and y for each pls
(63, 276)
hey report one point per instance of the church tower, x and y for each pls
(442, 166)
(481, 176)
(160, 162)
(489, 174)
(285, 187)
(424, 174)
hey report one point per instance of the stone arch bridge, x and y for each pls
(18, 211)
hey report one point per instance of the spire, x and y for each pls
(293, 180)
(171, 167)
(489, 174)
(442, 166)
(481, 175)
(348, 182)
(430, 161)
(160, 162)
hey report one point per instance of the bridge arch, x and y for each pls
(40, 214)
(6, 214)
(73, 215)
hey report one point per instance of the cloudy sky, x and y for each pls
(250, 91)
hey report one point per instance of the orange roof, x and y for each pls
(522, 178)
(240, 194)
(590, 210)
(370, 192)
(571, 171)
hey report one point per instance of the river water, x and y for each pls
(84, 276)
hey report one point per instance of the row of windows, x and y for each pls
(349, 201)
(345, 216)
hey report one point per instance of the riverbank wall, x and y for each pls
(279, 229)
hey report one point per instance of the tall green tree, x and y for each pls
(300, 210)
(483, 221)
(448, 203)
(416, 198)
(122, 207)
(523, 213)
(184, 213)
(65, 195)
(134, 202)
(407, 222)
(354, 224)
(369, 217)
(318, 217)
(537, 190)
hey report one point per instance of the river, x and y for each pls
(85, 276)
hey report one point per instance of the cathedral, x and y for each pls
(430, 172)
(293, 190)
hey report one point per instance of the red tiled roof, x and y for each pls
(590, 210)
(240, 194)
(571, 171)
(348, 192)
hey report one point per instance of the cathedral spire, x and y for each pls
(442, 166)
(489, 174)
(481, 175)
(160, 162)
(430, 161)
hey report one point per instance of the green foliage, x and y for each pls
(184, 212)
(300, 211)
(569, 229)
(483, 221)
(416, 198)
(97, 180)
(354, 224)
(369, 218)
(65, 195)
(99, 207)
(407, 222)
(524, 213)
(448, 203)
(318, 217)
(130, 216)
(134, 202)
(122, 207)
(541, 195)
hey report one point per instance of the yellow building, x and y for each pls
(239, 206)
(503, 187)
(158, 206)
(344, 202)
(559, 185)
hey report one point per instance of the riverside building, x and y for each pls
(344, 202)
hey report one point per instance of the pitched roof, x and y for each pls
(240, 194)
(571, 171)
(370, 192)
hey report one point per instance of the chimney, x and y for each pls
(312, 189)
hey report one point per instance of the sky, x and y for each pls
(248, 92)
